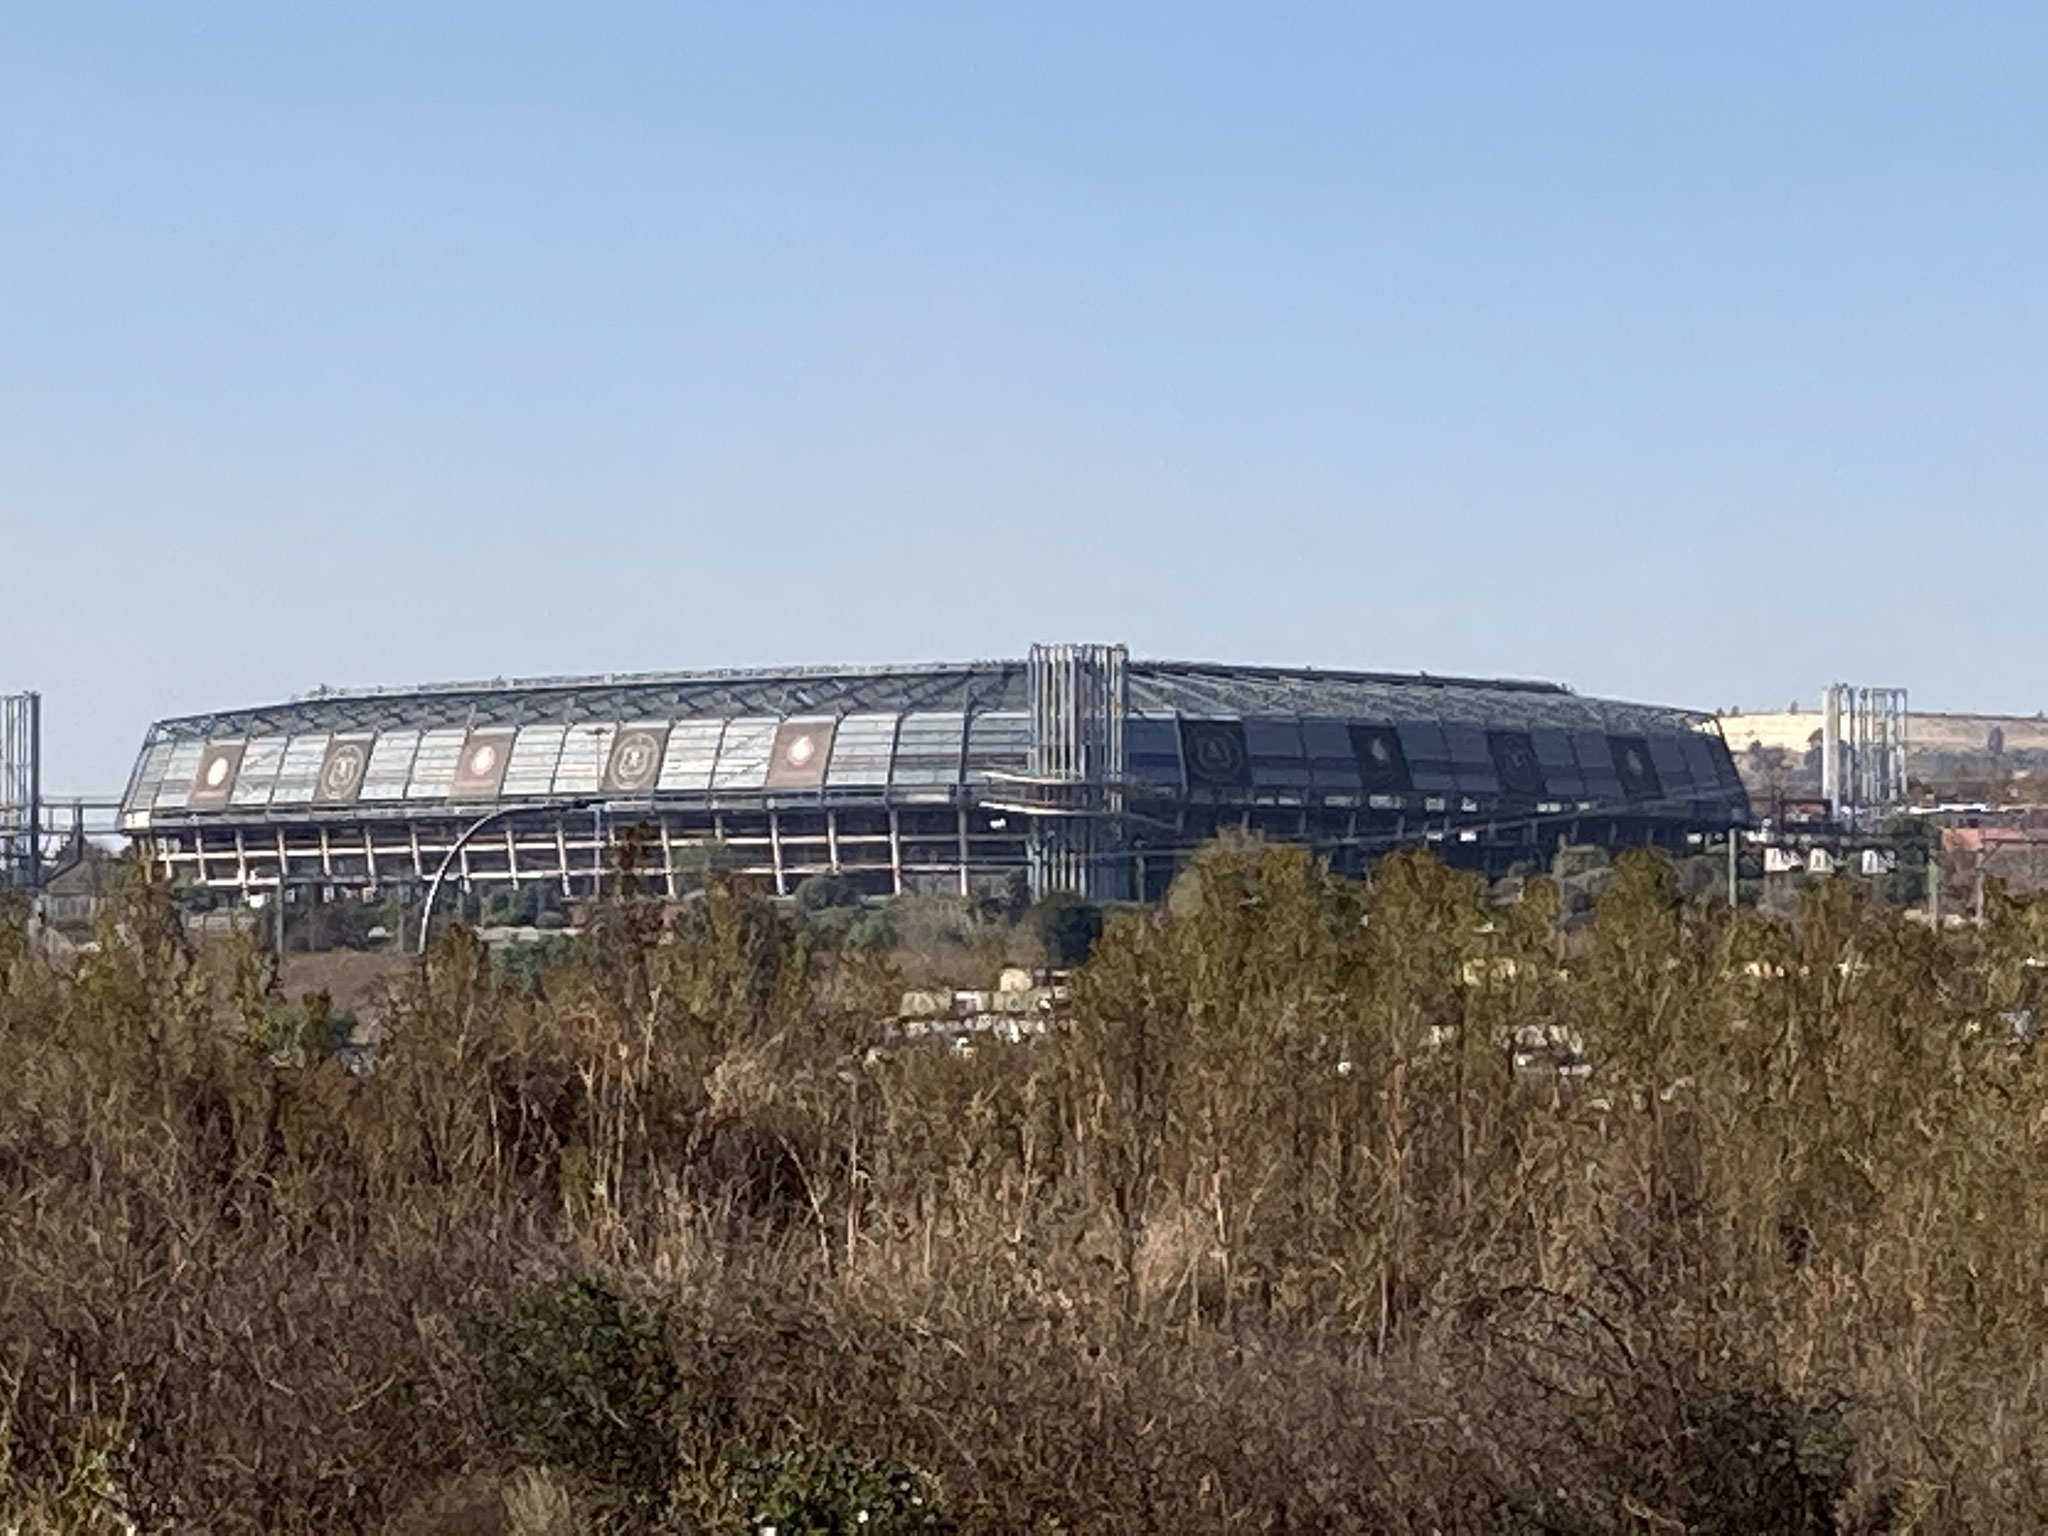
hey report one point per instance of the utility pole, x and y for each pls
(1734, 885)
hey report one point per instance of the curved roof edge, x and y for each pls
(994, 669)
(551, 682)
(1341, 675)
(971, 687)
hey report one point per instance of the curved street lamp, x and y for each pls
(462, 841)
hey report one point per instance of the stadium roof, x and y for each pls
(1157, 688)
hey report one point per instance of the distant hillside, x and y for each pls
(1948, 756)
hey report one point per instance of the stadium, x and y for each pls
(1075, 768)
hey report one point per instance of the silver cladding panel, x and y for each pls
(149, 775)
(177, 784)
(257, 776)
(743, 758)
(530, 772)
(299, 774)
(390, 767)
(435, 764)
(999, 741)
(928, 751)
(692, 754)
(585, 750)
(861, 752)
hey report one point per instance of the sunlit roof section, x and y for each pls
(692, 754)
(530, 771)
(435, 763)
(743, 757)
(929, 750)
(257, 776)
(390, 767)
(862, 750)
(299, 770)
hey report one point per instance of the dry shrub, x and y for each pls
(1274, 1236)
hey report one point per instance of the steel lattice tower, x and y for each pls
(21, 811)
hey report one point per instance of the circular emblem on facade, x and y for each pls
(801, 751)
(1632, 761)
(483, 760)
(1379, 751)
(344, 769)
(217, 773)
(1218, 756)
(635, 760)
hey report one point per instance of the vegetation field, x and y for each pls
(1332, 1208)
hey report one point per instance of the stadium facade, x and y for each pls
(1076, 767)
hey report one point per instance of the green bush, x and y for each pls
(809, 1489)
(580, 1378)
(1067, 926)
(522, 968)
(821, 893)
(301, 1033)
(1713, 1459)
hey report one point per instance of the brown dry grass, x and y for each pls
(352, 979)
(1272, 1238)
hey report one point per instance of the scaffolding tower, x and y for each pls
(1863, 752)
(21, 791)
(1079, 700)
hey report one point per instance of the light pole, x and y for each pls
(462, 842)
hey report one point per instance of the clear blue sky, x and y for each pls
(1692, 354)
